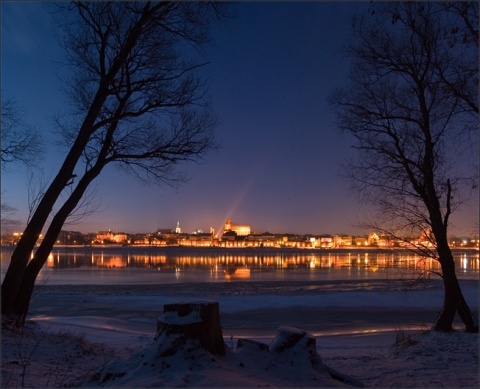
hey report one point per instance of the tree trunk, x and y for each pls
(194, 319)
(21, 254)
(453, 298)
(22, 304)
(20, 301)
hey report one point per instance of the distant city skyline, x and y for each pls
(241, 230)
(270, 71)
(238, 236)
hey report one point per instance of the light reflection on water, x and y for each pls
(119, 265)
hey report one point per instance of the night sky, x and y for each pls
(271, 70)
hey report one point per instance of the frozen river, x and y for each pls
(168, 265)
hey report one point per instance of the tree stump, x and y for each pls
(194, 319)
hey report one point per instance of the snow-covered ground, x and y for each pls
(370, 331)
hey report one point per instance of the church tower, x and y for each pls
(228, 225)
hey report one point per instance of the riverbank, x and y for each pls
(371, 330)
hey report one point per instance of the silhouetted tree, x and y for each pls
(8, 222)
(412, 107)
(138, 104)
(21, 143)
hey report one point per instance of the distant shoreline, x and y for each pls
(218, 249)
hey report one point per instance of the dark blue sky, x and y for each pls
(271, 70)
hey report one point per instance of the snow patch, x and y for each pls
(175, 360)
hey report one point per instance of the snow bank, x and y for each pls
(117, 323)
(177, 360)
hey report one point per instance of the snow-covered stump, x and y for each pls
(293, 344)
(198, 320)
(300, 348)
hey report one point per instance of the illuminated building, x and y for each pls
(361, 241)
(110, 236)
(240, 230)
(326, 241)
(342, 240)
(178, 230)
(265, 239)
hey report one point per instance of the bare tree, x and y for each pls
(461, 35)
(21, 143)
(411, 105)
(8, 222)
(138, 104)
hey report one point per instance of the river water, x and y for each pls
(117, 293)
(153, 265)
